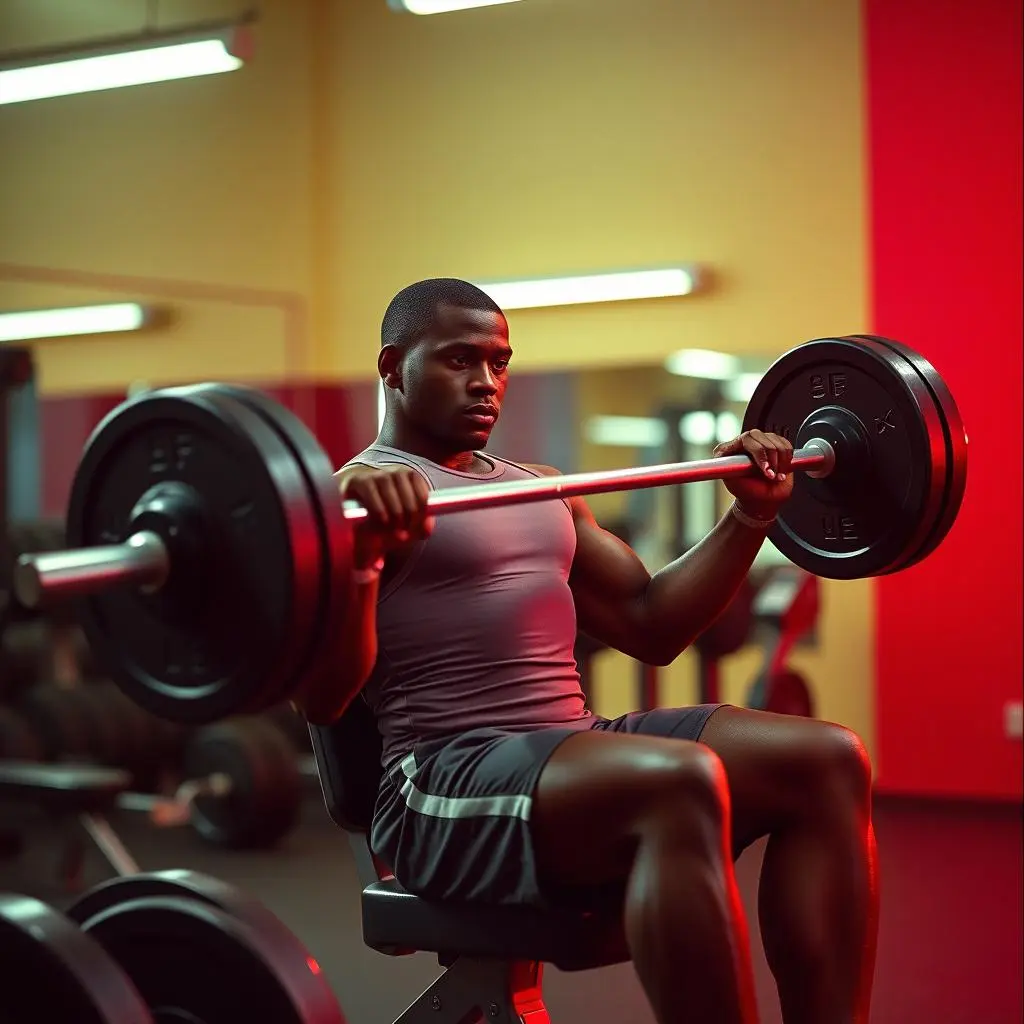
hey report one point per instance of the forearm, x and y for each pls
(338, 684)
(685, 597)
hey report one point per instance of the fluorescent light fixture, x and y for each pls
(114, 64)
(626, 431)
(704, 427)
(611, 287)
(442, 6)
(698, 427)
(727, 426)
(698, 362)
(72, 320)
(741, 387)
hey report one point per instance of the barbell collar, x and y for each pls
(828, 458)
(816, 456)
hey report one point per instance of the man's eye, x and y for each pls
(501, 365)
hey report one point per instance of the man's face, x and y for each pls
(455, 378)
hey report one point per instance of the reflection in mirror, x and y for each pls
(612, 417)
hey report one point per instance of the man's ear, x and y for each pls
(389, 365)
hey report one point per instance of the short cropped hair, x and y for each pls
(413, 311)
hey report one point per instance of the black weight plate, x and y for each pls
(885, 493)
(194, 885)
(231, 620)
(293, 956)
(956, 446)
(335, 531)
(315, 469)
(306, 523)
(54, 972)
(195, 962)
(266, 792)
(938, 440)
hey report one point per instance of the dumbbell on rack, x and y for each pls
(242, 789)
(166, 946)
(242, 786)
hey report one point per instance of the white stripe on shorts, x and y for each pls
(460, 806)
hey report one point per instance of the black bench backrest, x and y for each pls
(348, 758)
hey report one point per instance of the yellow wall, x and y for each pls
(194, 194)
(546, 137)
(362, 149)
(275, 210)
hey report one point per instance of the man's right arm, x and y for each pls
(357, 654)
(395, 497)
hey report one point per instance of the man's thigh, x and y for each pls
(452, 818)
(601, 788)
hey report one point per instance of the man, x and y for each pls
(499, 784)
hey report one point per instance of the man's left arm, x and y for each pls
(654, 618)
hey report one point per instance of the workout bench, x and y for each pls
(493, 956)
(86, 792)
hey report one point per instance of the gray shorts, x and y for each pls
(452, 819)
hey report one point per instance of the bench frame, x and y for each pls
(503, 989)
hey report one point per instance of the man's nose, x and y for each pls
(483, 382)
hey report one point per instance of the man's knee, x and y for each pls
(840, 762)
(683, 787)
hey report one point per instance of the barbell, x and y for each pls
(212, 555)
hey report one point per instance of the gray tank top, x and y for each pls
(478, 626)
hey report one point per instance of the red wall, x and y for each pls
(944, 108)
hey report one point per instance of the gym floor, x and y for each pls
(951, 930)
